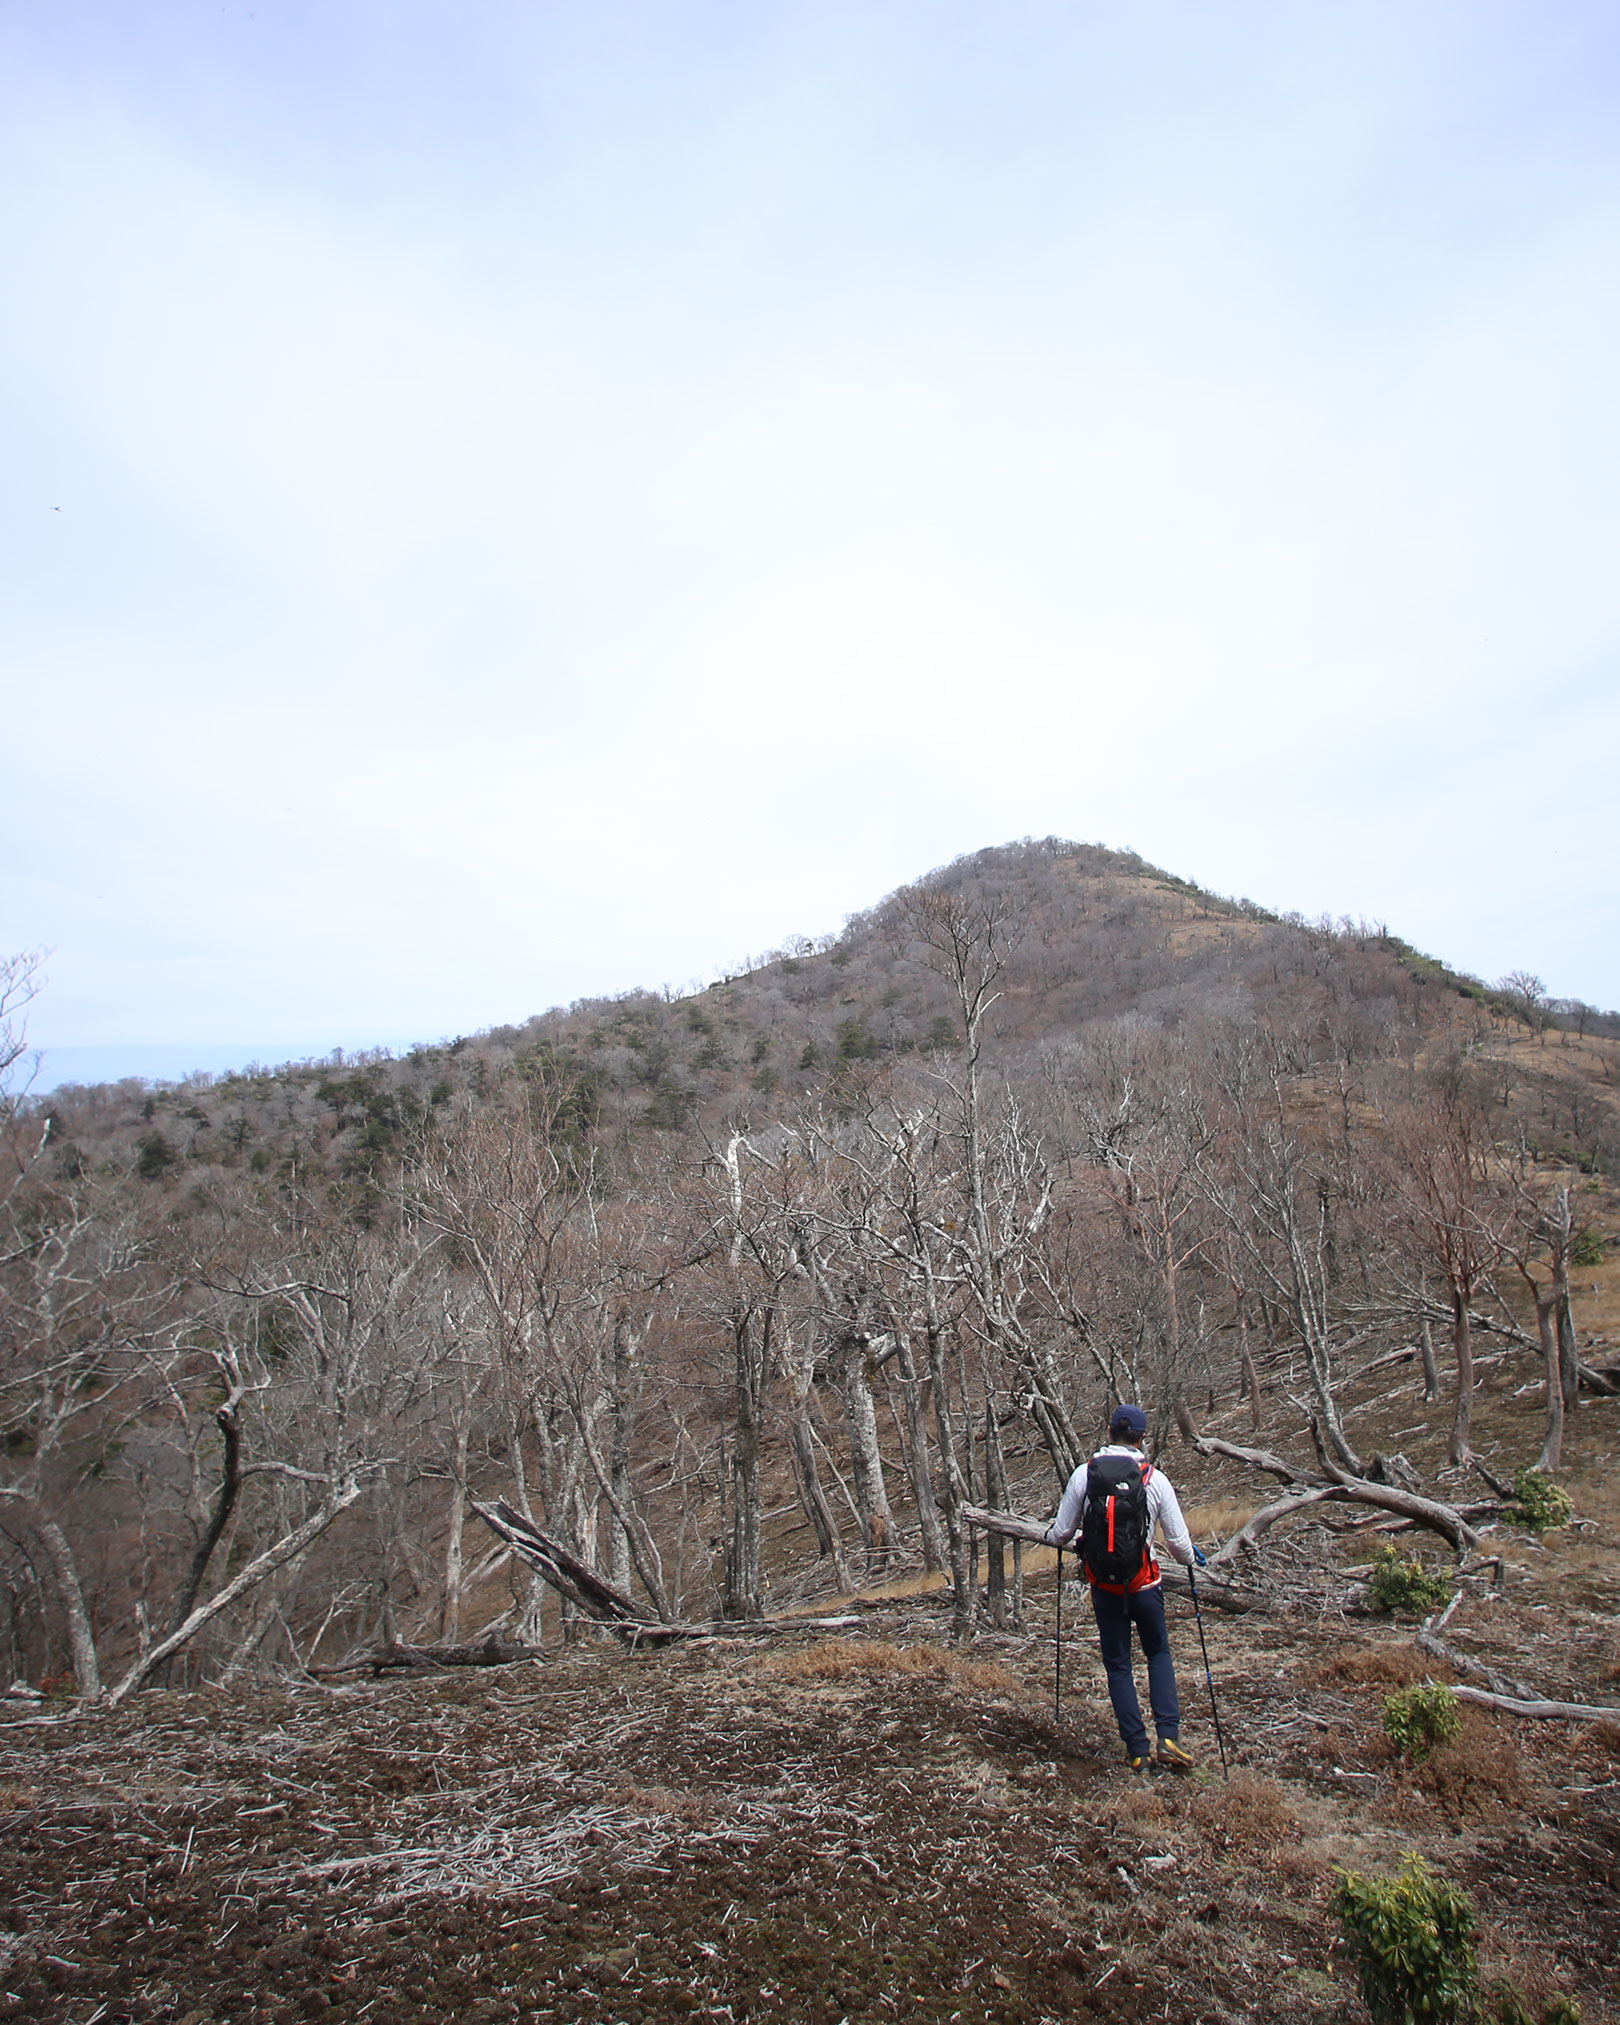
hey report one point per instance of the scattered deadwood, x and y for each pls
(1215, 1590)
(1331, 1481)
(1498, 1683)
(1263, 1521)
(1606, 1383)
(1511, 1705)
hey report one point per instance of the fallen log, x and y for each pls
(573, 1578)
(1445, 1520)
(1511, 1705)
(1213, 1589)
(1606, 1384)
(1263, 1521)
(396, 1654)
(1012, 1524)
(598, 1598)
(1256, 1458)
(1334, 1481)
(1437, 1518)
(1497, 1683)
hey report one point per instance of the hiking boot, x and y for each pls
(1141, 1764)
(1173, 1757)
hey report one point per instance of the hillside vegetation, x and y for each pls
(744, 1293)
(750, 1301)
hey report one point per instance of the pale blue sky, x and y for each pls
(507, 503)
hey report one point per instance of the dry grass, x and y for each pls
(1220, 1520)
(662, 1800)
(1479, 1775)
(1371, 1665)
(1138, 1804)
(851, 1658)
(1250, 1812)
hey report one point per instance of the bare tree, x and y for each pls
(1271, 1182)
(21, 981)
(1542, 1236)
(1450, 1196)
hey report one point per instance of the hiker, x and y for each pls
(1113, 1503)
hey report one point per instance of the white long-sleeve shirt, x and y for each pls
(1164, 1511)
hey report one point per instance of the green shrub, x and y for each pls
(1404, 1585)
(1587, 1250)
(1504, 2005)
(1411, 1937)
(1418, 1718)
(1538, 1502)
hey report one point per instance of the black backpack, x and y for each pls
(1115, 1526)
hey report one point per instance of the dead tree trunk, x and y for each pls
(866, 1459)
(1431, 1372)
(954, 1494)
(1552, 1449)
(743, 1596)
(230, 1486)
(1462, 1419)
(995, 1483)
(935, 1552)
(75, 1611)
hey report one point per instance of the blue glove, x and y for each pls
(1200, 1557)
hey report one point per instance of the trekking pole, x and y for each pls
(1057, 1649)
(1214, 1706)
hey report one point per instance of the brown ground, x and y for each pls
(813, 1834)
(855, 1825)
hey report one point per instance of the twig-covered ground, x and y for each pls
(824, 1828)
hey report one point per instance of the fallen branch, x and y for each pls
(1445, 1520)
(1441, 1519)
(570, 1576)
(256, 1570)
(1213, 1589)
(1263, 1521)
(1497, 1683)
(1256, 1458)
(1569, 1712)
(1603, 1383)
(1501, 1489)
(396, 1655)
(1333, 1482)
(598, 1598)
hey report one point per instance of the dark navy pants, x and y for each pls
(1115, 1615)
